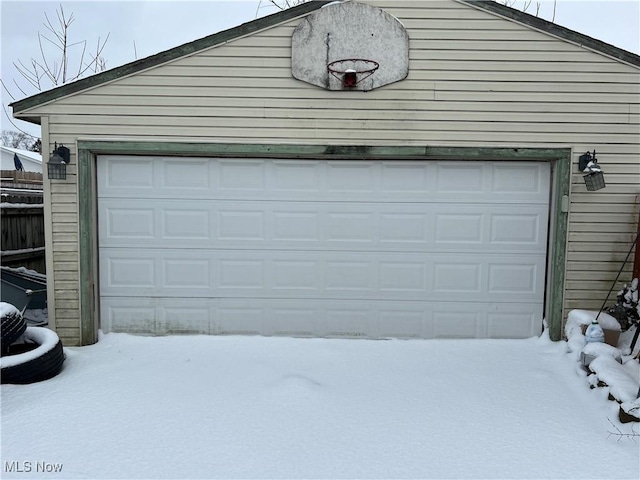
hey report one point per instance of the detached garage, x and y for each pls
(327, 186)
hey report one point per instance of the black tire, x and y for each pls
(12, 325)
(30, 369)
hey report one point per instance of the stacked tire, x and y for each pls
(29, 354)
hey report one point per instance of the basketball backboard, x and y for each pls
(350, 46)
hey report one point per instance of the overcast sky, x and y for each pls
(140, 28)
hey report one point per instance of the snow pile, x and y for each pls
(620, 373)
(20, 205)
(602, 349)
(46, 340)
(26, 271)
(577, 320)
(266, 407)
(632, 408)
(592, 167)
(8, 309)
(623, 380)
(585, 317)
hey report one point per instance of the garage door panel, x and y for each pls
(460, 178)
(297, 274)
(458, 323)
(184, 224)
(323, 225)
(512, 324)
(184, 273)
(129, 222)
(329, 275)
(514, 278)
(400, 178)
(340, 318)
(303, 177)
(322, 248)
(179, 174)
(126, 175)
(127, 271)
(131, 315)
(328, 181)
(525, 229)
(519, 179)
(235, 224)
(154, 316)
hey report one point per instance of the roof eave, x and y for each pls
(29, 119)
(556, 30)
(163, 57)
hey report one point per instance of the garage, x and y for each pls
(305, 247)
(356, 169)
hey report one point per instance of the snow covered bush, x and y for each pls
(626, 310)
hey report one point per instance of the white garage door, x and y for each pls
(322, 248)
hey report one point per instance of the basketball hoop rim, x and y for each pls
(334, 71)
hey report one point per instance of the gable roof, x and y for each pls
(289, 14)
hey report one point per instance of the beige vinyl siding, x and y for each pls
(64, 251)
(475, 80)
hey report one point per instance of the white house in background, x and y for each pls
(31, 161)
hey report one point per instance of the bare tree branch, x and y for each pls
(632, 435)
(27, 75)
(18, 87)
(98, 63)
(6, 89)
(51, 73)
(57, 69)
(284, 4)
(61, 59)
(13, 124)
(526, 4)
(80, 71)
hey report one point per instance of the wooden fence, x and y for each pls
(16, 179)
(22, 221)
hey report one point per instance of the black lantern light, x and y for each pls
(57, 164)
(588, 164)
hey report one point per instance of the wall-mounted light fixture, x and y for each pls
(57, 164)
(588, 164)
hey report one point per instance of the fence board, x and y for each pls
(22, 236)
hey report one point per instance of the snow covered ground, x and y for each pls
(255, 407)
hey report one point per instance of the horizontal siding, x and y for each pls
(417, 91)
(595, 64)
(616, 133)
(359, 107)
(352, 136)
(64, 212)
(241, 53)
(77, 113)
(475, 80)
(411, 83)
(214, 76)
